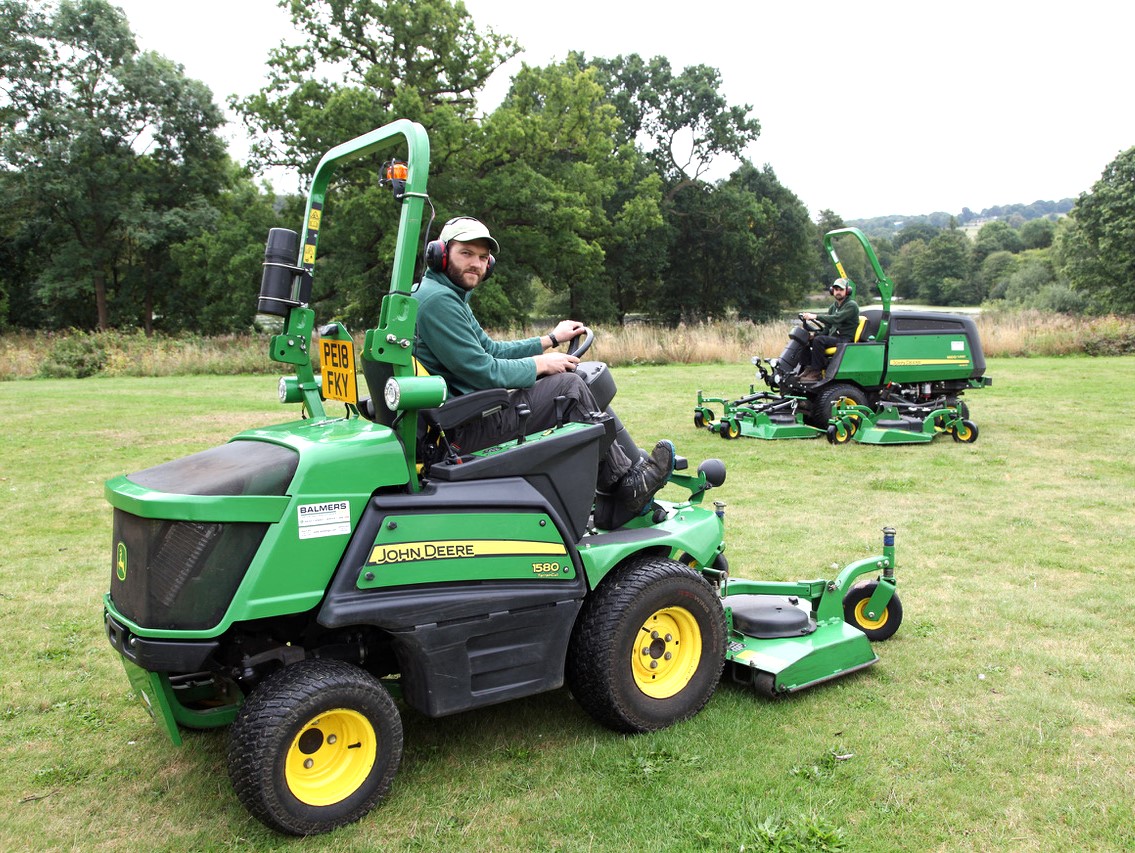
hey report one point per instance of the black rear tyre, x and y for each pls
(823, 402)
(648, 648)
(315, 747)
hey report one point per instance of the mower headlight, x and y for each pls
(289, 389)
(392, 394)
(414, 392)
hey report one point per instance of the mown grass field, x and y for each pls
(1000, 717)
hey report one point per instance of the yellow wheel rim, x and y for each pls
(963, 431)
(866, 622)
(330, 757)
(734, 429)
(666, 653)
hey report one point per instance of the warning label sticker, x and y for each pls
(332, 518)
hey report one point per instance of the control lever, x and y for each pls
(563, 406)
(522, 413)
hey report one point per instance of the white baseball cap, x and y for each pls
(466, 229)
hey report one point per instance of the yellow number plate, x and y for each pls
(337, 362)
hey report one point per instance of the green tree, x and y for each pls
(680, 125)
(774, 262)
(1034, 275)
(1098, 248)
(744, 245)
(1038, 233)
(545, 173)
(942, 271)
(102, 140)
(679, 120)
(923, 231)
(221, 261)
(363, 63)
(994, 274)
(360, 65)
(902, 268)
(995, 237)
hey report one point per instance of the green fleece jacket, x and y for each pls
(451, 344)
(841, 320)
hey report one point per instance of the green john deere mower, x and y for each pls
(306, 584)
(902, 377)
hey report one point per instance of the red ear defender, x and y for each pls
(437, 258)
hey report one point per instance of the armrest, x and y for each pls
(458, 410)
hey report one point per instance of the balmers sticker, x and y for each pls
(410, 552)
(332, 518)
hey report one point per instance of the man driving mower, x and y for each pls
(451, 344)
(838, 326)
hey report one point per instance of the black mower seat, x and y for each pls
(768, 617)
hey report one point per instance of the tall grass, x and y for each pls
(69, 355)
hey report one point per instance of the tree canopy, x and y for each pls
(592, 174)
(107, 150)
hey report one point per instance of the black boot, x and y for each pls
(638, 486)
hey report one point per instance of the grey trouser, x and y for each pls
(540, 399)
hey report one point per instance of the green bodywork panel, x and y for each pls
(926, 357)
(688, 529)
(760, 426)
(163, 703)
(835, 648)
(414, 549)
(340, 461)
(863, 364)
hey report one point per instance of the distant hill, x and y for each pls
(888, 226)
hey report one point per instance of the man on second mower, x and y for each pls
(451, 344)
(837, 326)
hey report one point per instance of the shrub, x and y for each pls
(75, 356)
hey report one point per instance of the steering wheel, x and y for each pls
(578, 347)
(811, 325)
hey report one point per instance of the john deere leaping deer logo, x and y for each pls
(120, 561)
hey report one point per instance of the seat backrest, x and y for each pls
(829, 351)
(869, 321)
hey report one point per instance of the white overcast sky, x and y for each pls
(868, 109)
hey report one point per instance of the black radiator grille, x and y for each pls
(179, 574)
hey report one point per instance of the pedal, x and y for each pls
(681, 463)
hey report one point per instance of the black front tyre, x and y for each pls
(839, 434)
(965, 431)
(315, 747)
(648, 648)
(880, 627)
